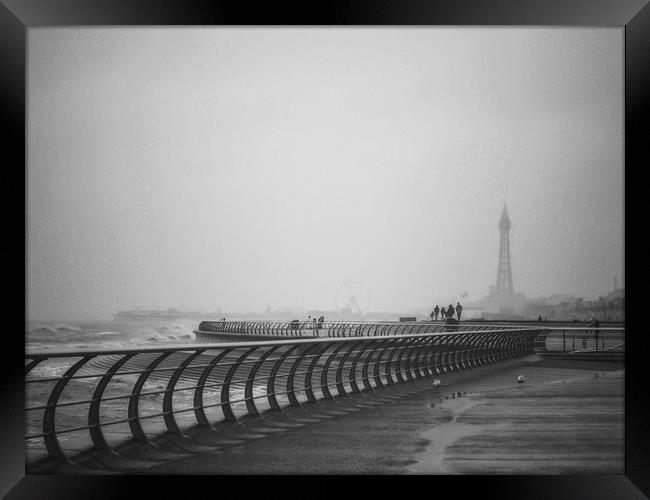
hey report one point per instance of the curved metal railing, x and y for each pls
(333, 328)
(600, 342)
(99, 398)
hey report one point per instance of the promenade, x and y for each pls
(566, 418)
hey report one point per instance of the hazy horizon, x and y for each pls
(237, 169)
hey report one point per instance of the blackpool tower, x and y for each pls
(504, 273)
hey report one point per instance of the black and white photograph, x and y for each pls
(394, 250)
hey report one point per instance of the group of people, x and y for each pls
(316, 323)
(449, 312)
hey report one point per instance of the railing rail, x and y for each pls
(336, 329)
(581, 340)
(95, 394)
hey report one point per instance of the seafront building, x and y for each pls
(503, 303)
(610, 307)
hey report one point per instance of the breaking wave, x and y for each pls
(43, 336)
(40, 328)
(67, 328)
(157, 337)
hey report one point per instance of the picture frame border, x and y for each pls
(17, 16)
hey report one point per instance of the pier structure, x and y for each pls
(155, 316)
(556, 339)
(86, 408)
(211, 331)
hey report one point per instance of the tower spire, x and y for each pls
(504, 272)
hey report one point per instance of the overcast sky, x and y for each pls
(242, 168)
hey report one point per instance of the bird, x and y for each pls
(436, 383)
(520, 379)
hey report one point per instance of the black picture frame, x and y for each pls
(16, 16)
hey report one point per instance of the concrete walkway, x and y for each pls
(558, 422)
(567, 418)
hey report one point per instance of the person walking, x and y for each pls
(591, 324)
(443, 313)
(459, 310)
(450, 311)
(436, 310)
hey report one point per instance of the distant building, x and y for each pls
(504, 273)
(608, 308)
(502, 302)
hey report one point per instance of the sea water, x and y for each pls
(76, 337)
(97, 335)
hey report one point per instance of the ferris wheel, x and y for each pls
(352, 296)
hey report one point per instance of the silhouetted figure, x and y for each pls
(431, 315)
(593, 325)
(459, 310)
(436, 310)
(443, 313)
(596, 325)
(450, 311)
(539, 318)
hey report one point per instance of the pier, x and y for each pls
(154, 316)
(187, 407)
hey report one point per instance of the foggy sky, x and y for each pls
(242, 168)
